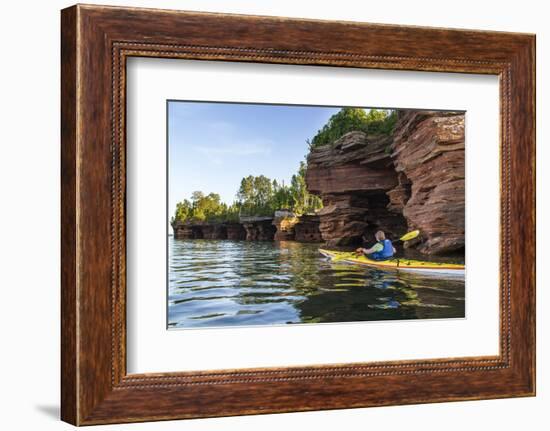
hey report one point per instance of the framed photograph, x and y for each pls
(263, 214)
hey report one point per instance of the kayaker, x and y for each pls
(382, 250)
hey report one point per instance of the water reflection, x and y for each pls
(228, 283)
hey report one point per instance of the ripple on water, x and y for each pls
(232, 283)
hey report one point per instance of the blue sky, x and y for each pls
(212, 146)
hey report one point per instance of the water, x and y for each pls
(215, 283)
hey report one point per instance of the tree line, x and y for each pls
(256, 196)
(374, 122)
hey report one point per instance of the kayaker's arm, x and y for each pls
(373, 249)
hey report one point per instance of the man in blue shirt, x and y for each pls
(382, 250)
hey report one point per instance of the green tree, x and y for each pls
(282, 197)
(207, 207)
(201, 208)
(183, 211)
(257, 196)
(376, 121)
(303, 201)
(380, 121)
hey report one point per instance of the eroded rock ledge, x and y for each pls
(233, 231)
(352, 176)
(258, 228)
(413, 179)
(428, 153)
(283, 226)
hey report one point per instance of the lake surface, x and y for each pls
(215, 283)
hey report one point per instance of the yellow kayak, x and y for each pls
(397, 264)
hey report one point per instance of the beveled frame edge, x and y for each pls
(96, 41)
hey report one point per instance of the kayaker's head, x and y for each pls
(380, 235)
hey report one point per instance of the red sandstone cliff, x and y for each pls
(428, 153)
(413, 179)
(353, 176)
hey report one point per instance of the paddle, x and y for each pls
(407, 237)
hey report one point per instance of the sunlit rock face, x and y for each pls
(284, 222)
(412, 179)
(354, 163)
(428, 153)
(290, 227)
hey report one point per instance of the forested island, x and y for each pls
(394, 170)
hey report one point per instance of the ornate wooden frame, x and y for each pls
(96, 41)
